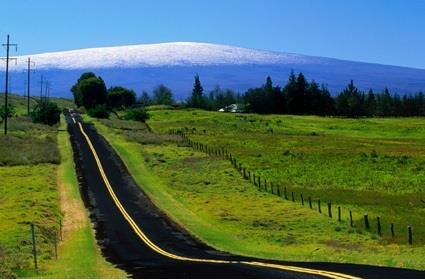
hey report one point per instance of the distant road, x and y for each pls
(139, 238)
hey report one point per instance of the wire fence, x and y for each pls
(32, 247)
(373, 225)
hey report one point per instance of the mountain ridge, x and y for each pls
(143, 66)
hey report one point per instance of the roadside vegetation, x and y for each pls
(38, 185)
(369, 166)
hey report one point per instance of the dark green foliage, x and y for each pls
(89, 91)
(162, 96)
(300, 97)
(137, 114)
(120, 98)
(197, 100)
(99, 111)
(266, 99)
(10, 112)
(145, 99)
(350, 102)
(46, 112)
(218, 99)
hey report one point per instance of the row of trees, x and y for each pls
(90, 92)
(300, 97)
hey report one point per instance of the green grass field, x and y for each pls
(20, 102)
(368, 165)
(38, 185)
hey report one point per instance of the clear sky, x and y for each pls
(382, 31)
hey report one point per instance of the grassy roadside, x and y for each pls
(79, 256)
(38, 185)
(191, 189)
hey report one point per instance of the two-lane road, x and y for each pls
(139, 238)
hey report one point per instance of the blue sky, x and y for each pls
(381, 31)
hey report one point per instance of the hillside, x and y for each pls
(174, 64)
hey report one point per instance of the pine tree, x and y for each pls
(290, 91)
(197, 98)
(370, 103)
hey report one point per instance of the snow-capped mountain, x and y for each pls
(165, 54)
(174, 64)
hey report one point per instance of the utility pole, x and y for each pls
(7, 45)
(41, 88)
(46, 90)
(29, 84)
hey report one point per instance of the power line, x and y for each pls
(7, 45)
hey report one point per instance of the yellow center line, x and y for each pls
(157, 249)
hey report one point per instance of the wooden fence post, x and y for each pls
(378, 225)
(392, 230)
(339, 213)
(410, 237)
(61, 229)
(34, 246)
(330, 209)
(351, 219)
(366, 221)
(318, 206)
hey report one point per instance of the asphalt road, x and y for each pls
(137, 237)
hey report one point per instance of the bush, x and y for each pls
(46, 112)
(10, 112)
(137, 114)
(99, 111)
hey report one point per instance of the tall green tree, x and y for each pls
(145, 99)
(89, 91)
(350, 102)
(197, 99)
(291, 94)
(121, 98)
(162, 95)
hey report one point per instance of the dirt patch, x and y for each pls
(343, 245)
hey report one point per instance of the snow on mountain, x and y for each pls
(165, 54)
(142, 67)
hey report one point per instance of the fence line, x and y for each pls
(276, 189)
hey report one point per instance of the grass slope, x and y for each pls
(208, 197)
(38, 185)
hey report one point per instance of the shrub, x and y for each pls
(99, 111)
(46, 112)
(137, 114)
(10, 112)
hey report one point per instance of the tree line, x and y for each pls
(298, 97)
(301, 97)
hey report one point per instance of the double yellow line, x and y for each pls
(157, 249)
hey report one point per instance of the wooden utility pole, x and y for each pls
(29, 85)
(6, 112)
